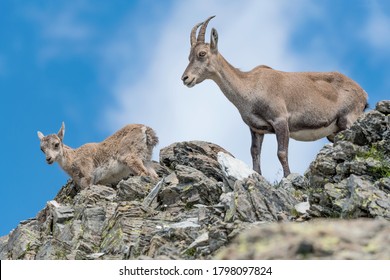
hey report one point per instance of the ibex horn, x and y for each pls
(193, 33)
(202, 30)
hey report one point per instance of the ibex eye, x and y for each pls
(202, 54)
(56, 145)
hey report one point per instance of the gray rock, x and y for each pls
(229, 206)
(3, 247)
(193, 187)
(95, 193)
(24, 241)
(53, 249)
(134, 188)
(257, 200)
(360, 159)
(233, 169)
(369, 128)
(202, 205)
(383, 107)
(201, 240)
(323, 239)
(383, 184)
(196, 154)
(62, 214)
(93, 221)
(152, 194)
(189, 223)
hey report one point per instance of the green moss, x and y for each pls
(187, 188)
(298, 194)
(112, 239)
(189, 206)
(28, 247)
(191, 252)
(340, 136)
(372, 153)
(294, 212)
(380, 170)
(60, 255)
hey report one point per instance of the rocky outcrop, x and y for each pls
(351, 178)
(198, 207)
(208, 204)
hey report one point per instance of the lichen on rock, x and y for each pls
(207, 204)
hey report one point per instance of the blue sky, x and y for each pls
(98, 65)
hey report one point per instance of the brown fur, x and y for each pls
(128, 151)
(303, 105)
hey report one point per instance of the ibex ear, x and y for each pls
(61, 133)
(40, 135)
(214, 40)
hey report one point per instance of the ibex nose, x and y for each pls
(188, 81)
(48, 159)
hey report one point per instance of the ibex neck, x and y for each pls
(231, 81)
(67, 159)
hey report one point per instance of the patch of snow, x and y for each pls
(233, 167)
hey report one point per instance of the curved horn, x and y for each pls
(193, 33)
(202, 30)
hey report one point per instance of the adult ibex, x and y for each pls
(305, 106)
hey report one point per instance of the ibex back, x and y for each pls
(305, 106)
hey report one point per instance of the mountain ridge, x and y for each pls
(207, 204)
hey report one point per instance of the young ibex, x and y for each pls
(126, 152)
(305, 106)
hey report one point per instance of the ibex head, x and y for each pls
(51, 145)
(202, 55)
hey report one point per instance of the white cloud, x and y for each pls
(377, 29)
(257, 32)
(63, 30)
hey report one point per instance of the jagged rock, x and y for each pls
(229, 205)
(370, 128)
(256, 200)
(350, 178)
(202, 239)
(196, 154)
(205, 198)
(355, 197)
(192, 212)
(134, 188)
(233, 169)
(60, 213)
(3, 247)
(94, 194)
(193, 188)
(23, 241)
(326, 239)
(383, 107)
(152, 194)
(294, 183)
